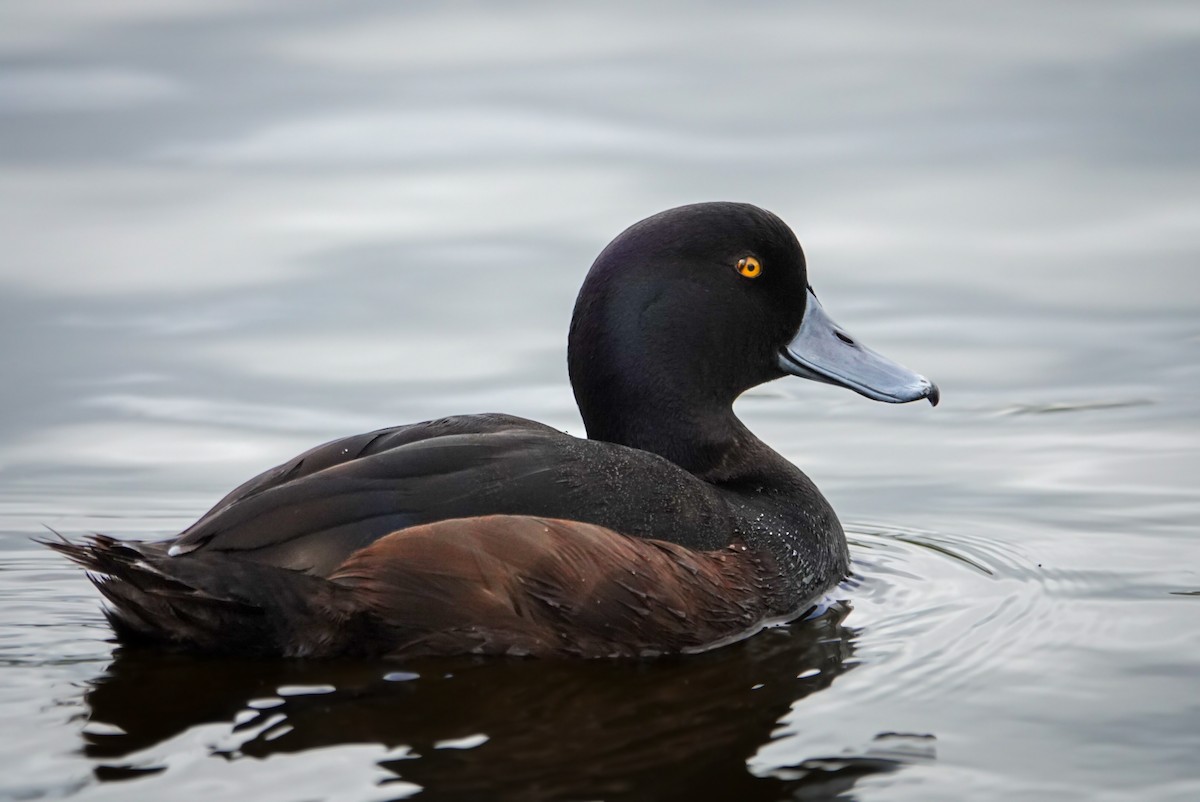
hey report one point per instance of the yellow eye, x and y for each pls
(749, 267)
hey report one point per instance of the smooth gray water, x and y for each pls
(234, 230)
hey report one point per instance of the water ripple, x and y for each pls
(1079, 406)
(940, 609)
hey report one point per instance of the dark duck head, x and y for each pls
(688, 309)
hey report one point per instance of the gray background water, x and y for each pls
(232, 231)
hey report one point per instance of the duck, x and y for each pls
(669, 529)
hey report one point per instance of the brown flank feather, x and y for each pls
(500, 584)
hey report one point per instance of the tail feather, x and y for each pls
(238, 606)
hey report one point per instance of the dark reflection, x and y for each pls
(677, 728)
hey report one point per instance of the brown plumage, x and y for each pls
(500, 584)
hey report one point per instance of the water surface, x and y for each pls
(233, 231)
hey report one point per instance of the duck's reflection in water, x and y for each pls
(498, 729)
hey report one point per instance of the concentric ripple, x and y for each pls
(938, 608)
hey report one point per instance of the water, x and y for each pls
(234, 231)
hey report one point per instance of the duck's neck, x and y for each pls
(703, 437)
(644, 399)
(706, 443)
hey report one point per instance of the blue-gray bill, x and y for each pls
(824, 352)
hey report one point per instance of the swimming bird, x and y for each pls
(669, 528)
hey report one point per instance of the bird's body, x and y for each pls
(670, 528)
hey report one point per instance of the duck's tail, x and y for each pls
(218, 604)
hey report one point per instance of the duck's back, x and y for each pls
(313, 512)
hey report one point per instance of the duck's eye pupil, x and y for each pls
(749, 267)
